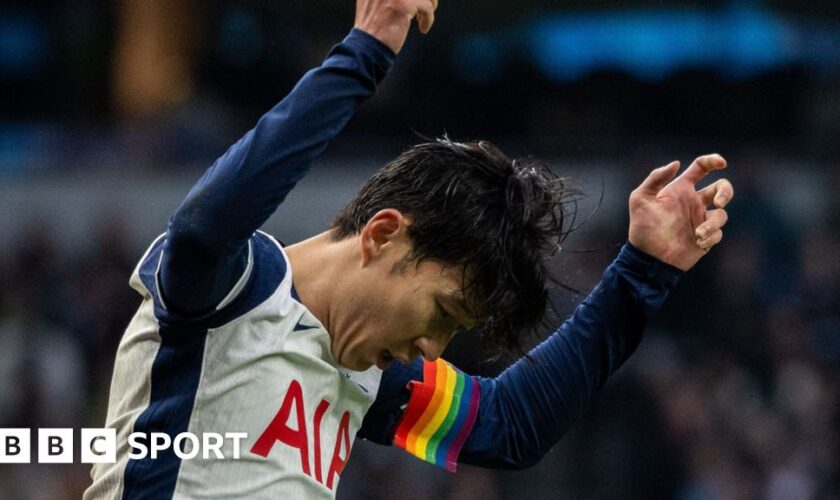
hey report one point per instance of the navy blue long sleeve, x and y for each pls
(206, 247)
(524, 411)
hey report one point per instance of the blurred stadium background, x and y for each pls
(111, 110)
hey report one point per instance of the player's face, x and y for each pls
(398, 309)
(412, 310)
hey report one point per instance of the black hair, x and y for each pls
(470, 205)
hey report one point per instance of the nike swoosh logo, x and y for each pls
(299, 328)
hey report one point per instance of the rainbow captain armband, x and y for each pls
(440, 414)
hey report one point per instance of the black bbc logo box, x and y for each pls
(56, 446)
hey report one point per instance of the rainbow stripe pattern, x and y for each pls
(440, 414)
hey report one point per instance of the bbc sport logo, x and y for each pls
(56, 446)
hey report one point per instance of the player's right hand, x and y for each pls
(390, 20)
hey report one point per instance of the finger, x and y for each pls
(702, 166)
(711, 240)
(426, 16)
(720, 193)
(715, 220)
(658, 178)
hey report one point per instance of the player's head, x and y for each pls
(456, 236)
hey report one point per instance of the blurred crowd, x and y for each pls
(748, 394)
(733, 393)
(61, 318)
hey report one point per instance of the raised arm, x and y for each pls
(529, 407)
(511, 421)
(206, 247)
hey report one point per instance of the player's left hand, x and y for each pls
(671, 220)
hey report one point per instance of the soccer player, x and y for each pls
(297, 346)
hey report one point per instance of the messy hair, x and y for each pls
(471, 206)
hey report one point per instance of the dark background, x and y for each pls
(111, 110)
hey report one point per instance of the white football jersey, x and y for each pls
(260, 365)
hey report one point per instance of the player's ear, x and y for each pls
(383, 229)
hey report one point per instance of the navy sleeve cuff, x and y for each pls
(649, 267)
(367, 44)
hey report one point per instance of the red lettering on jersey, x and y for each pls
(319, 414)
(342, 437)
(277, 430)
